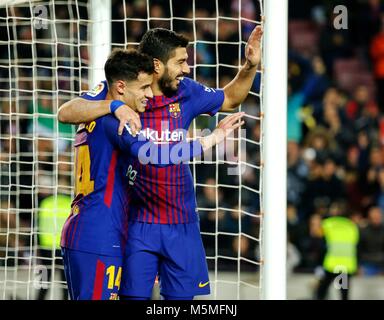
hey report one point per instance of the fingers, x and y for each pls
(132, 126)
(221, 134)
(235, 115)
(253, 35)
(229, 120)
(121, 127)
(127, 115)
(229, 124)
(256, 34)
(135, 125)
(232, 123)
(258, 30)
(237, 125)
(233, 127)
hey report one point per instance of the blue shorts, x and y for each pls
(91, 276)
(174, 252)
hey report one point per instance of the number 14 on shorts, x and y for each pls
(113, 281)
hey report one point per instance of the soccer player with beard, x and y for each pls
(94, 235)
(164, 237)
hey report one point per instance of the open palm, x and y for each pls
(253, 47)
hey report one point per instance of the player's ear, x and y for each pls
(158, 65)
(120, 86)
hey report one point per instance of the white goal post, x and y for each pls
(275, 150)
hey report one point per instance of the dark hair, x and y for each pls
(159, 43)
(126, 65)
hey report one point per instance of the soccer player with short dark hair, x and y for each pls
(94, 236)
(164, 237)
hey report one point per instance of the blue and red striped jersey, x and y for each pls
(104, 175)
(166, 194)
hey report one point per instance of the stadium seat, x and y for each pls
(303, 37)
(350, 73)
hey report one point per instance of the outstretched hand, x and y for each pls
(228, 125)
(253, 47)
(223, 130)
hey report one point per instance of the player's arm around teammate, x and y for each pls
(79, 110)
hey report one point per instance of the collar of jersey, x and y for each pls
(161, 101)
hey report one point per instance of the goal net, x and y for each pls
(46, 59)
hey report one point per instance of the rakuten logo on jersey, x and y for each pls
(176, 148)
(164, 136)
(152, 153)
(160, 137)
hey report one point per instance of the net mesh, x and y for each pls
(44, 61)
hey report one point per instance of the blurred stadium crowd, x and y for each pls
(336, 127)
(335, 123)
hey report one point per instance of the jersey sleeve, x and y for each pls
(205, 99)
(160, 155)
(99, 92)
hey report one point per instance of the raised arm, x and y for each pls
(81, 110)
(237, 90)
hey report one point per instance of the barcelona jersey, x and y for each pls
(104, 178)
(174, 200)
(166, 195)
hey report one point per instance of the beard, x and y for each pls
(165, 84)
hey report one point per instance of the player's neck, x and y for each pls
(112, 96)
(156, 89)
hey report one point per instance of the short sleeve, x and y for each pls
(99, 92)
(204, 99)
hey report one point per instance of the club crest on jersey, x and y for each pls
(75, 210)
(96, 90)
(114, 296)
(174, 110)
